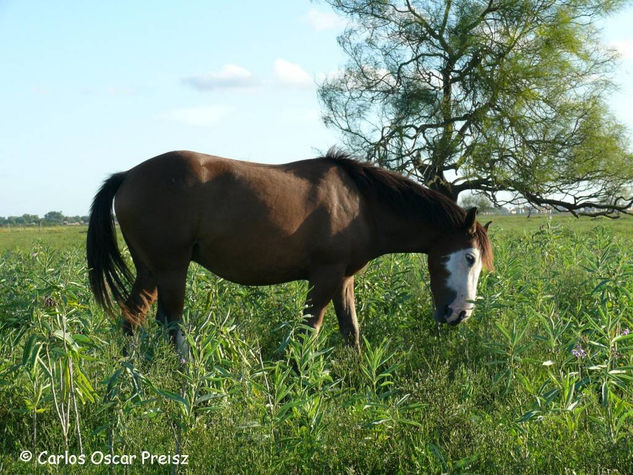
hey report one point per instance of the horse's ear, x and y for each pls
(486, 225)
(469, 222)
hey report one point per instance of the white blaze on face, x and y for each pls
(463, 268)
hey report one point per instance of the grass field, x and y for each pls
(539, 380)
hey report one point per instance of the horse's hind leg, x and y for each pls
(171, 302)
(141, 297)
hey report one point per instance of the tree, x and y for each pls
(478, 201)
(54, 218)
(485, 95)
(30, 219)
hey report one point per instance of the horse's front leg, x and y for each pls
(323, 284)
(346, 312)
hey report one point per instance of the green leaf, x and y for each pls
(173, 397)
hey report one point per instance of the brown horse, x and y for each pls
(320, 220)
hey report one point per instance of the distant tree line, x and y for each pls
(52, 218)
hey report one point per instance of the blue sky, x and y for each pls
(90, 88)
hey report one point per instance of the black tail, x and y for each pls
(106, 268)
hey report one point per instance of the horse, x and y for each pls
(321, 220)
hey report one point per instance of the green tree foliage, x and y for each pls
(54, 217)
(478, 201)
(486, 96)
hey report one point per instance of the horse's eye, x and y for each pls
(470, 259)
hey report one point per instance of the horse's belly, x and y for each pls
(251, 266)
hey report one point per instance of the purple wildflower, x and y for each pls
(578, 352)
(625, 332)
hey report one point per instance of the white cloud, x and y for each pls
(324, 20)
(331, 75)
(624, 48)
(290, 74)
(203, 116)
(230, 76)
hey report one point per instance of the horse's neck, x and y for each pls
(396, 233)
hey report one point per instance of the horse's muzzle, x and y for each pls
(443, 315)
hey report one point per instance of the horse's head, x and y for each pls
(455, 262)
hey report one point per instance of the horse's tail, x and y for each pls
(109, 276)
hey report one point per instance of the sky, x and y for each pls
(91, 88)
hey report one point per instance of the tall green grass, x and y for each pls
(538, 380)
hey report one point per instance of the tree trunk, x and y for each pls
(437, 182)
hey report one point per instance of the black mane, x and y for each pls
(404, 195)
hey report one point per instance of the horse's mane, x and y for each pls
(408, 197)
